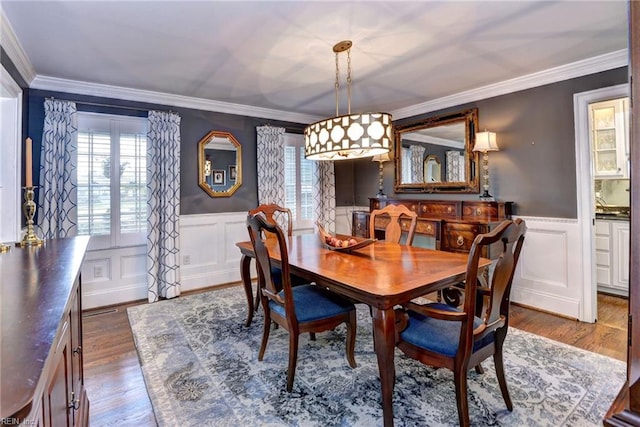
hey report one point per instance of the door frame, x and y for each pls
(584, 191)
(10, 161)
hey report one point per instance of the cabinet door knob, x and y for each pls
(77, 350)
(74, 403)
(460, 241)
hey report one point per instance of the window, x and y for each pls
(298, 179)
(112, 179)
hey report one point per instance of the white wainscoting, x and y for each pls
(208, 257)
(207, 246)
(549, 274)
(114, 276)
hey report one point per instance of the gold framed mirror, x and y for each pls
(219, 164)
(436, 155)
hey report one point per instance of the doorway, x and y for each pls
(585, 191)
(10, 125)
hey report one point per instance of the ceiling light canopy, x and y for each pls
(349, 136)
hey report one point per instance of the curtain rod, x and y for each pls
(97, 104)
(288, 129)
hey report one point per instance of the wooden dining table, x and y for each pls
(381, 275)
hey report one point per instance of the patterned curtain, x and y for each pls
(417, 163)
(324, 200)
(455, 166)
(163, 200)
(270, 149)
(270, 159)
(57, 198)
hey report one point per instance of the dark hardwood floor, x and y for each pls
(118, 396)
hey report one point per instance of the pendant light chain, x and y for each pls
(337, 84)
(349, 81)
(349, 136)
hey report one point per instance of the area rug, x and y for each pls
(200, 365)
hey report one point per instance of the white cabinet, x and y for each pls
(620, 240)
(612, 256)
(609, 124)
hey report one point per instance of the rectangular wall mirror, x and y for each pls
(435, 155)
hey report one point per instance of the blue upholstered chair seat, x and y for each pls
(440, 336)
(313, 303)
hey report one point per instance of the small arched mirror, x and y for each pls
(219, 164)
(432, 169)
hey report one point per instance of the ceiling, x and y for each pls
(278, 55)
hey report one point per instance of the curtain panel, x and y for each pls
(455, 166)
(270, 159)
(57, 199)
(324, 196)
(163, 215)
(417, 163)
(270, 163)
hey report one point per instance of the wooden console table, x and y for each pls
(453, 223)
(42, 375)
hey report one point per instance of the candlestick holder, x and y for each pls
(29, 209)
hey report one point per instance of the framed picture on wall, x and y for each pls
(232, 172)
(219, 177)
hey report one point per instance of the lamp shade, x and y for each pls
(381, 158)
(485, 141)
(349, 137)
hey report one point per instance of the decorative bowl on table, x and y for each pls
(341, 243)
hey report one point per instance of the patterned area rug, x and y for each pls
(201, 368)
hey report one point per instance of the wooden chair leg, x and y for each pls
(312, 336)
(293, 359)
(265, 335)
(460, 378)
(351, 339)
(479, 369)
(499, 365)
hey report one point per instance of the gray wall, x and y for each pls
(194, 125)
(536, 165)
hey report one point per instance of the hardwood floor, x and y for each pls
(118, 396)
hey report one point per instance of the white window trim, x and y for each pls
(127, 125)
(297, 140)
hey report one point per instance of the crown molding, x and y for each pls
(16, 53)
(137, 95)
(14, 50)
(581, 68)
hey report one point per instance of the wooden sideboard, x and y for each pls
(453, 224)
(42, 375)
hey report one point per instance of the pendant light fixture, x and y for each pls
(349, 136)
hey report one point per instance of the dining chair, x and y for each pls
(391, 216)
(297, 309)
(443, 336)
(283, 217)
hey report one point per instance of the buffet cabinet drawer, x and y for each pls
(480, 212)
(428, 228)
(444, 210)
(459, 237)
